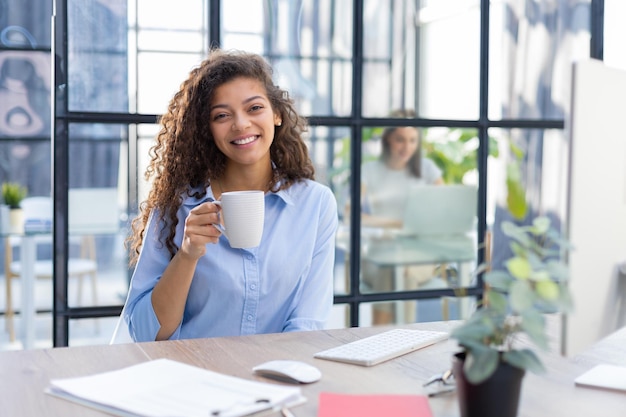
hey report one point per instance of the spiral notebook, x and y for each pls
(166, 388)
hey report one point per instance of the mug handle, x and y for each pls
(219, 226)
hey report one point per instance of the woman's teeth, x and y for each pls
(245, 140)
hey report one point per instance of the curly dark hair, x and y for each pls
(415, 163)
(185, 157)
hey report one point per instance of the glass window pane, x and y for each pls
(146, 134)
(327, 147)
(419, 205)
(416, 311)
(545, 184)
(156, 88)
(531, 55)
(24, 94)
(90, 332)
(27, 163)
(98, 210)
(98, 55)
(426, 58)
(309, 44)
(25, 23)
(167, 14)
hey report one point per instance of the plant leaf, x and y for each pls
(471, 331)
(540, 276)
(547, 289)
(513, 231)
(519, 267)
(498, 279)
(524, 359)
(480, 364)
(533, 323)
(541, 225)
(496, 301)
(521, 296)
(557, 270)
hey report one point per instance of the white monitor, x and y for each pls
(93, 210)
(596, 204)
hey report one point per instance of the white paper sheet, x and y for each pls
(166, 388)
(604, 376)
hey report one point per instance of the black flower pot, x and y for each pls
(498, 396)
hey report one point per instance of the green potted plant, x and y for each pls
(493, 360)
(12, 195)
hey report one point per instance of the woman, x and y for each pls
(230, 128)
(386, 180)
(385, 183)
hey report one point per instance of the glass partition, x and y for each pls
(308, 42)
(419, 212)
(421, 55)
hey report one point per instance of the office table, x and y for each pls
(389, 248)
(25, 374)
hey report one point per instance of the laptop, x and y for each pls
(440, 210)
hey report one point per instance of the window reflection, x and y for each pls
(422, 55)
(24, 94)
(98, 55)
(418, 213)
(309, 44)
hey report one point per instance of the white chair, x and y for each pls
(38, 210)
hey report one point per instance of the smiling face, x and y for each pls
(242, 123)
(403, 143)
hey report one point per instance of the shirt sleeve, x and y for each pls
(143, 324)
(316, 294)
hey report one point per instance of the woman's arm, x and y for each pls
(170, 293)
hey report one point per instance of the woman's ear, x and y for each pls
(278, 120)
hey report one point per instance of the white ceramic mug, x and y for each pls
(244, 214)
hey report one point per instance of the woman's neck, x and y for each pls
(243, 180)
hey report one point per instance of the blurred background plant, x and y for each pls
(13, 193)
(454, 150)
(533, 282)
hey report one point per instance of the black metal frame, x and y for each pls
(62, 312)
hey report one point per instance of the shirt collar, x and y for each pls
(283, 194)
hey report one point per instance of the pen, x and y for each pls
(286, 413)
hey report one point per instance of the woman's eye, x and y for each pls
(256, 107)
(219, 116)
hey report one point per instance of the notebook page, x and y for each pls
(166, 388)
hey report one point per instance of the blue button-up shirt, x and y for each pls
(284, 284)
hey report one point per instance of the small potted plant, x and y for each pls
(12, 195)
(492, 362)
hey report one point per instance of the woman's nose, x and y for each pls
(240, 122)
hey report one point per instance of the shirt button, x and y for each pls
(249, 317)
(252, 287)
(249, 257)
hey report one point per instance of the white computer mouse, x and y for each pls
(289, 371)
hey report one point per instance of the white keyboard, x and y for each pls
(375, 349)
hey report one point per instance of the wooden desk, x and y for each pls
(25, 374)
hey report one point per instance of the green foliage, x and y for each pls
(13, 194)
(456, 154)
(515, 299)
(516, 196)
